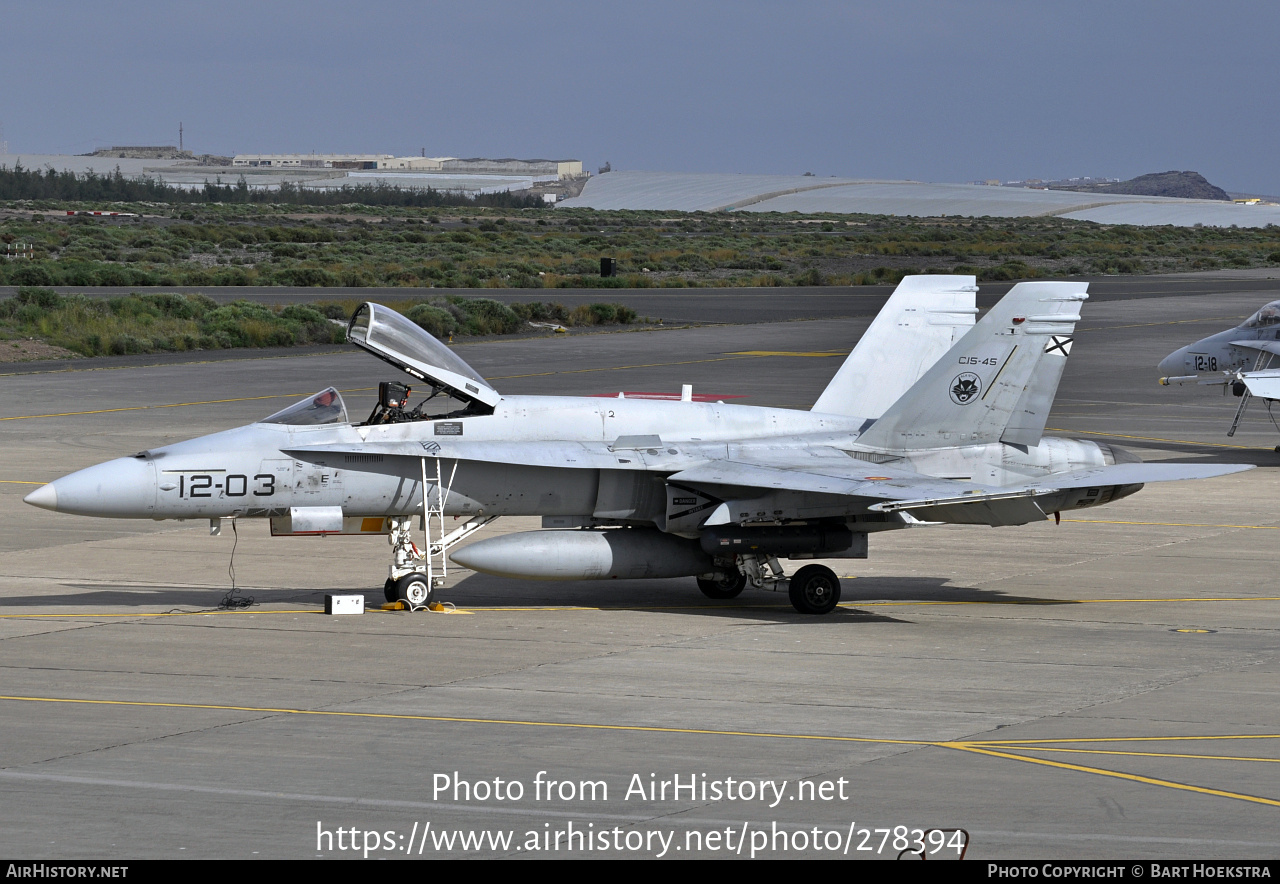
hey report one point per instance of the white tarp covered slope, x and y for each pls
(693, 192)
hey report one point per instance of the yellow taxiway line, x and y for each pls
(977, 747)
(532, 609)
(27, 417)
(1116, 774)
(396, 716)
(1172, 524)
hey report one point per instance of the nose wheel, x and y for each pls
(414, 590)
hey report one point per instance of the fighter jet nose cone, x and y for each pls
(1174, 363)
(124, 488)
(45, 497)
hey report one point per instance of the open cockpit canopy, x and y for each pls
(1267, 316)
(325, 407)
(410, 348)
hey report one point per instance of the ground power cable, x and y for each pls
(231, 599)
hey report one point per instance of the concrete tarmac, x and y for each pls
(1103, 688)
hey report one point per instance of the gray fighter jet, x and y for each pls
(933, 418)
(1238, 359)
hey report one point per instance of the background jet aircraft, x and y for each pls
(1239, 358)
(912, 428)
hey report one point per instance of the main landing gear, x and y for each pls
(814, 589)
(725, 585)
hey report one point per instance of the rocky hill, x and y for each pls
(1186, 185)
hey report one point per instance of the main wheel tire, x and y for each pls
(726, 586)
(389, 590)
(814, 589)
(414, 590)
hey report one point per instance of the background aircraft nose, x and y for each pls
(1175, 363)
(122, 488)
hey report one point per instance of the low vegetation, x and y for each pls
(229, 235)
(225, 245)
(151, 323)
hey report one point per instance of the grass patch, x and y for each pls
(230, 244)
(159, 323)
(155, 323)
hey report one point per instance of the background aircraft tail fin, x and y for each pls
(922, 319)
(997, 383)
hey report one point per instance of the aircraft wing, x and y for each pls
(569, 455)
(1272, 347)
(887, 489)
(1264, 384)
(736, 473)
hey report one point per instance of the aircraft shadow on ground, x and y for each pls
(682, 596)
(932, 589)
(88, 598)
(482, 592)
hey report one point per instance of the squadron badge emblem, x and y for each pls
(965, 388)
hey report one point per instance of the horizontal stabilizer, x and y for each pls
(1137, 474)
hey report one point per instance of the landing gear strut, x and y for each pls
(415, 574)
(815, 589)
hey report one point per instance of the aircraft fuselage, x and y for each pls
(257, 470)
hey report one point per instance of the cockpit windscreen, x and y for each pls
(1267, 316)
(325, 407)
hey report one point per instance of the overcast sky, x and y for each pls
(932, 91)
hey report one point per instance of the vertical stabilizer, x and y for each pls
(922, 319)
(999, 379)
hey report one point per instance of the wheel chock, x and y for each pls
(434, 607)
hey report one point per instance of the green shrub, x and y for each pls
(436, 320)
(33, 273)
(43, 298)
(484, 316)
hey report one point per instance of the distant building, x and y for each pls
(310, 160)
(559, 168)
(415, 164)
(476, 166)
(144, 152)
